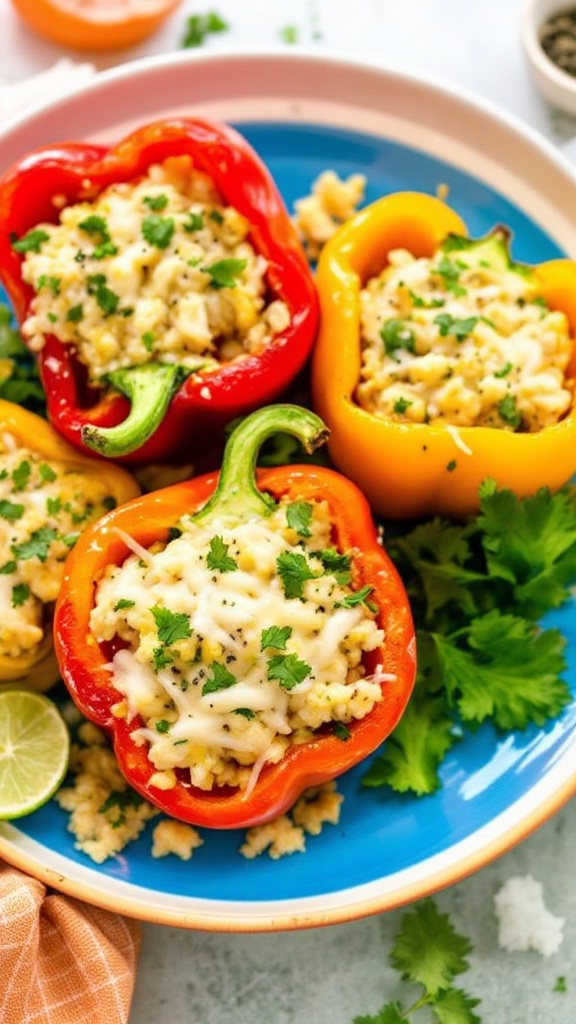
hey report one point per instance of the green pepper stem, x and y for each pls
(150, 389)
(237, 495)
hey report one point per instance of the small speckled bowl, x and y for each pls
(556, 86)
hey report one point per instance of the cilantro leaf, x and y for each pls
(428, 950)
(510, 672)
(171, 626)
(218, 558)
(157, 230)
(221, 679)
(10, 510)
(389, 1014)
(275, 636)
(20, 594)
(299, 516)
(397, 334)
(223, 273)
(199, 26)
(357, 597)
(288, 670)
(459, 328)
(32, 241)
(294, 571)
(411, 756)
(453, 1006)
(37, 545)
(531, 544)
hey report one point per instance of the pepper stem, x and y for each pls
(237, 494)
(150, 389)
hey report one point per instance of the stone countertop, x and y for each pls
(331, 975)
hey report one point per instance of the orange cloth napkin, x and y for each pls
(61, 960)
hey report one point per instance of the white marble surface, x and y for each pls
(331, 975)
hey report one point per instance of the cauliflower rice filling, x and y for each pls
(467, 346)
(238, 640)
(43, 507)
(153, 270)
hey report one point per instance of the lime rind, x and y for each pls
(34, 752)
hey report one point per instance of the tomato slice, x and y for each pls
(95, 24)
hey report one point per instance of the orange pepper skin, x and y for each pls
(407, 470)
(39, 671)
(83, 661)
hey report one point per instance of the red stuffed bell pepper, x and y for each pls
(160, 281)
(245, 637)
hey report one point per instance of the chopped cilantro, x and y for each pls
(194, 222)
(148, 340)
(20, 594)
(8, 568)
(53, 506)
(341, 731)
(32, 241)
(216, 216)
(120, 801)
(199, 26)
(509, 412)
(218, 558)
(46, 281)
(158, 231)
(356, 598)
(397, 334)
(459, 327)
(451, 466)
(336, 563)
(10, 510)
(289, 34)
(223, 273)
(21, 475)
(47, 473)
(506, 369)
(161, 658)
(37, 546)
(75, 314)
(221, 679)
(299, 516)
(275, 636)
(124, 602)
(244, 712)
(106, 299)
(294, 570)
(171, 626)
(449, 271)
(95, 225)
(288, 670)
(156, 203)
(401, 405)
(162, 725)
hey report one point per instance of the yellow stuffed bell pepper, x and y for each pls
(428, 450)
(48, 495)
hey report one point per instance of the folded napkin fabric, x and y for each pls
(61, 960)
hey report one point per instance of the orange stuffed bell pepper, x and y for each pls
(440, 362)
(48, 494)
(245, 636)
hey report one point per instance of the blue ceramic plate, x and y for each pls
(387, 849)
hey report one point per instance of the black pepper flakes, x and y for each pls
(558, 40)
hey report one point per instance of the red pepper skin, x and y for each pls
(147, 520)
(205, 401)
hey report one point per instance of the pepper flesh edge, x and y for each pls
(204, 401)
(325, 757)
(403, 467)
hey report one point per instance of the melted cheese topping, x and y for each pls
(464, 346)
(229, 666)
(43, 507)
(157, 269)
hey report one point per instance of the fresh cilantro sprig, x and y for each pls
(478, 591)
(19, 377)
(429, 952)
(200, 26)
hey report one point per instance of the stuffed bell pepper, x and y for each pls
(160, 282)
(440, 362)
(48, 495)
(246, 635)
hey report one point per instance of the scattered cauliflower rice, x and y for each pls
(157, 269)
(316, 807)
(463, 338)
(175, 837)
(105, 813)
(229, 655)
(332, 202)
(43, 506)
(524, 922)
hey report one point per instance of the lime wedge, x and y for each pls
(34, 751)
